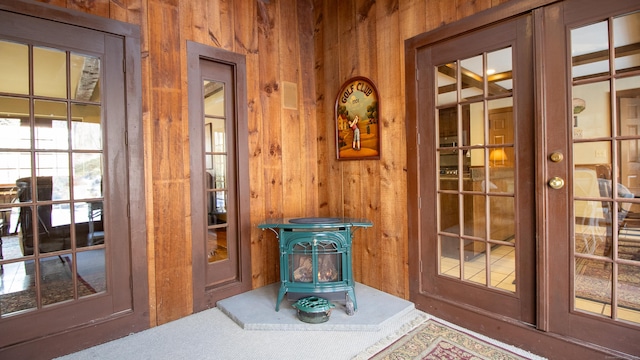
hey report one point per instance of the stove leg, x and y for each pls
(281, 293)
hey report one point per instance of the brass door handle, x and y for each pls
(556, 182)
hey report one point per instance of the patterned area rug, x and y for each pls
(435, 340)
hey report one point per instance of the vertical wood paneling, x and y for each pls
(317, 44)
(307, 103)
(271, 155)
(173, 293)
(392, 244)
(294, 148)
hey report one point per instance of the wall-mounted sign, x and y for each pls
(356, 114)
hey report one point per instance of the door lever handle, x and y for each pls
(556, 182)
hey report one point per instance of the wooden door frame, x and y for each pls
(136, 318)
(205, 296)
(537, 339)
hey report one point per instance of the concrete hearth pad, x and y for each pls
(255, 310)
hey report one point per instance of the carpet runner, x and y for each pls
(436, 340)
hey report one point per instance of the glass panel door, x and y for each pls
(593, 252)
(476, 170)
(605, 106)
(477, 121)
(53, 237)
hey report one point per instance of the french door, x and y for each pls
(66, 248)
(592, 79)
(475, 152)
(526, 166)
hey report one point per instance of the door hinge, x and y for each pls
(419, 202)
(126, 138)
(124, 65)
(128, 210)
(417, 74)
(420, 265)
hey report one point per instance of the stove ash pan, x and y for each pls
(313, 309)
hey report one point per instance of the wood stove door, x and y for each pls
(477, 244)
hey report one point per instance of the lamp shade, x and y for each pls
(497, 155)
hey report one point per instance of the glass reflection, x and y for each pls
(475, 266)
(503, 267)
(56, 282)
(18, 292)
(449, 256)
(213, 98)
(626, 40)
(501, 218)
(86, 127)
(217, 207)
(472, 78)
(55, 166)
(15, 132)
(89, 223)
(446, 79)
(592, 286)
(591, 110)
(87, 175)
(14, 68)
(473, 123)
(449, 213)
(217, 245)
(590, 50)
(628, 290)
(85, 77)
(51, 131)
(448, 127)
(49, 72)
(91, 272)
(500, 71)
(475, 223)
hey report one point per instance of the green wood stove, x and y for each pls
(315, 255)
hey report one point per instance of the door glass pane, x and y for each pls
(51, 194)
(590, 50)
(86, 127)
(85, 78)
(215, 154)
(472, 74)
(626, 39)
(14, 68)
(591, 111)
(476, 138)
(49, 72)
(446, 80)
(606, 154)
(14, 125)
(51, 131)
(499, 72)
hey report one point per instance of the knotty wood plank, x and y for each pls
(330, 170)
(467, 8)
(293, 146)
(95, 7)
(392, 215)
(266, 266)
(118, 10)
(368, 200)
(172, 252)
(307, 103)
(220, 24)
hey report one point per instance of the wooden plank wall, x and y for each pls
(316, 45)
